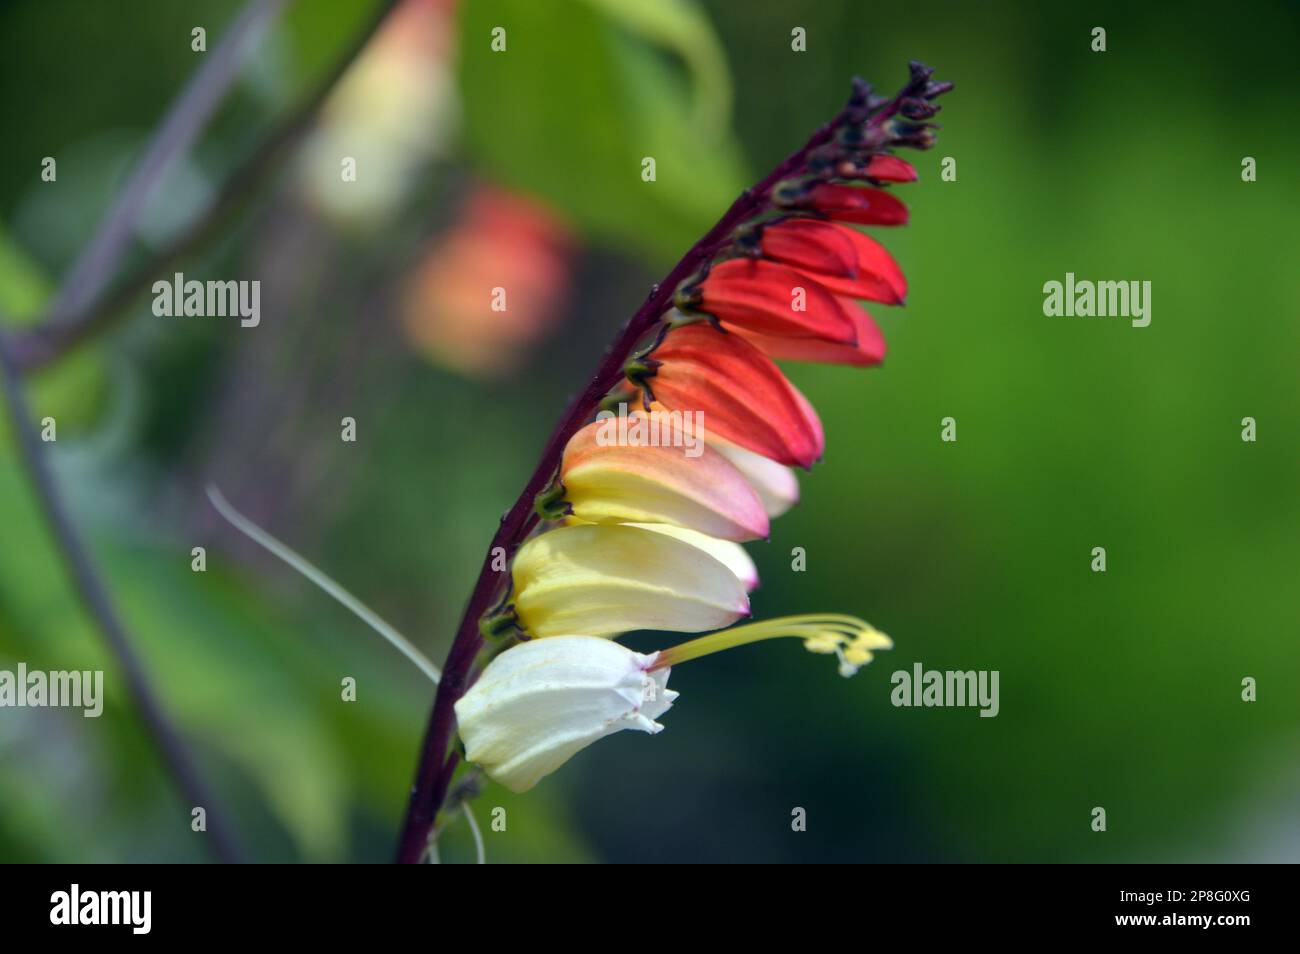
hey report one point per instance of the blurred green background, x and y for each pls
(1120, 690)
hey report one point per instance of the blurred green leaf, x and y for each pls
(682, 27)
(23, 286)
(570, 114)
(215, 661)
(72, 391)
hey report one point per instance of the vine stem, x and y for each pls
(90, 586)
(82, 308)
(436, 766)
(93, 309)
(188, 115)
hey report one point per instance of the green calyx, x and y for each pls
(550, 504)
(748, 239)
(498, 623)
(688, 297)
(639, 369)
(788, 192)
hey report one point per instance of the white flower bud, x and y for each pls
(542, 701)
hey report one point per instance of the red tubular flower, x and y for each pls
(770, 299)
(784, 288)
(869, 349)
(814, 245)
(882, 168)
(744, 396)
(879, 277)
(841, 258)
(847, 203)
(657, 482)
(890, 169)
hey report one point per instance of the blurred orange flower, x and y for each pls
(487, 290)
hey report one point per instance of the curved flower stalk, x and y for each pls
(616, 535)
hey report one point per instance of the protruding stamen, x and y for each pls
(851, 639)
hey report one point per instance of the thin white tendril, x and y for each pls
(431, 856)
(318, 576)
(470, 820)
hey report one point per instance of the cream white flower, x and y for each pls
(776, 484)
(542, 701)
(597, 580)
(731, 555)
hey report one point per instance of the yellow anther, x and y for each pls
(824, 643)
(849, 638)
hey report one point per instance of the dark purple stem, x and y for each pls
(79, 317)
(436, 767)
(90, 586)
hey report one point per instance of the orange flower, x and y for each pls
(665, 475)
(504, 241)
(744, 396)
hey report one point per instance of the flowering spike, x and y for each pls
(775, 277)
